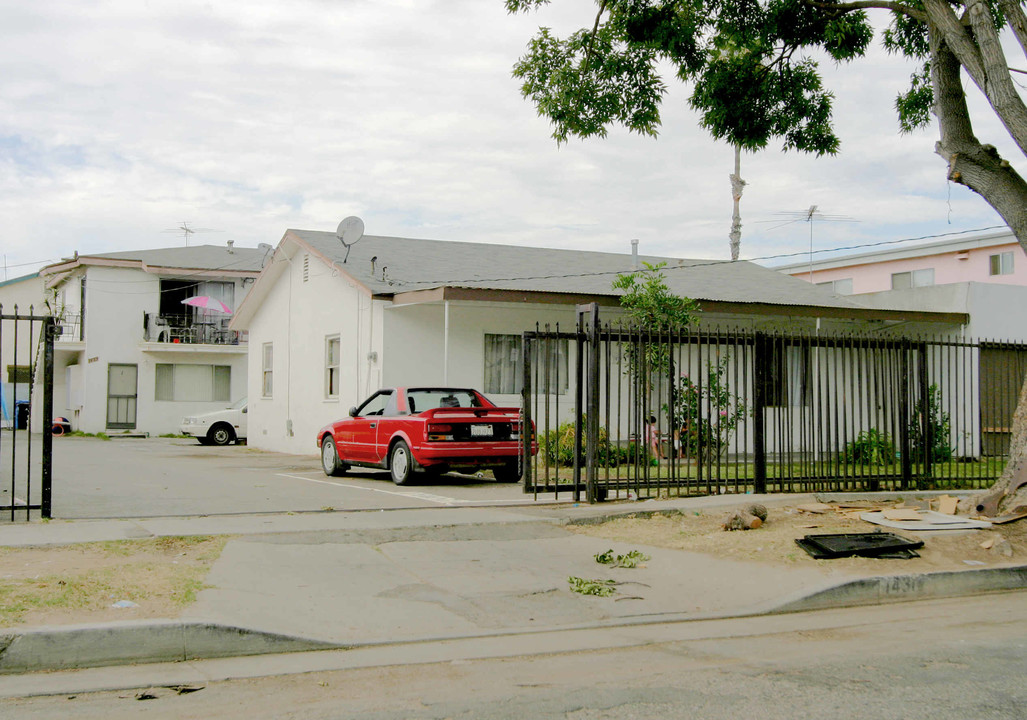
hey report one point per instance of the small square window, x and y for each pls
(1001, 264)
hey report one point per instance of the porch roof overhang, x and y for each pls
(719, 307)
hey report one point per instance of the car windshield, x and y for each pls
(421, 399)
(238, 404)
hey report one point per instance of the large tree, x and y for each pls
(754, 78)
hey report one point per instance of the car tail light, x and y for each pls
(515, 431)
(440, 432)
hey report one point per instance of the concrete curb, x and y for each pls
(81, 646)
(884, 589)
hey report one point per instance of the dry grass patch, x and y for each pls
(774, 542)
(80, 583)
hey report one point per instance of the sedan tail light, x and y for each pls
(440, 432)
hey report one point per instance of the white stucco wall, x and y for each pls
(117, 300)
(296, 317)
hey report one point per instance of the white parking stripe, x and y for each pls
(439, 499)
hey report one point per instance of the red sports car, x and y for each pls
(428, 428)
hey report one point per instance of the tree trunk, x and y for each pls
(980, 168)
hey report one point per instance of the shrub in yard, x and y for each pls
(871, 447)
(935, 443)
(557, 447)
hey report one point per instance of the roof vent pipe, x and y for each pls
(231, 246)
(634, 254)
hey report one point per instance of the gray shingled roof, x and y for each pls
(196, 257)
(424, 264)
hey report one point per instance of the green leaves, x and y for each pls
(650, 303)
(630, 559)
(589, 81)
(753, 79)
(599, 588)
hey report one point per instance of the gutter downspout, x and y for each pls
(445, 345)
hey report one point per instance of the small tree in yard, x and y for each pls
(754, 80)
(657, 312)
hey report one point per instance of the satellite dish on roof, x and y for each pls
(350, 230)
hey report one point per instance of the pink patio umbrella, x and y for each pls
(208, 303)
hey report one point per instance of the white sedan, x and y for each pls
(219, 427)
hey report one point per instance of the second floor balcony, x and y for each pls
(188, 329)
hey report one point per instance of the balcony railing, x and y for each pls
(70, 328)
(186, 329)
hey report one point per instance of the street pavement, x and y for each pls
(299, 582)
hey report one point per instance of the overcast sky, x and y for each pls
(122, 119)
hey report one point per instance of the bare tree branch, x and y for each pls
(1013, 11)
(873, 4)
(999, 89)
(956, 38)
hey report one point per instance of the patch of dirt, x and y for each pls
(774, 542)
(80, 583)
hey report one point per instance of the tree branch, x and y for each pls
(1013, 11)
(592, 37)
(999, 89)
(873, 4)
(956, 38)
(976, 166)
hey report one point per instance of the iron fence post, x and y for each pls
(904, 381)
(49, 332)
(527, 434)
(592, 404)
(579, 374)
(760, 362)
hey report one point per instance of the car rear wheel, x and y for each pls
(330, 462)
(221, 434)
(507, 473)
(401, 463)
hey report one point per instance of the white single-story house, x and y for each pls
(329, 325)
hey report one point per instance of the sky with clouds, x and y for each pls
(122, 119)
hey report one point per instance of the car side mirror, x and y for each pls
(352, 412)
(244, 411)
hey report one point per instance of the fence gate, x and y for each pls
(26, 386)
(620, 412)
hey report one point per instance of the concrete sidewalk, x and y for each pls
(297, 582)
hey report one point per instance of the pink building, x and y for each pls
(995, 258)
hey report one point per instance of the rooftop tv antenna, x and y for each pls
(186, 231)
(350, 230)
(809, 215)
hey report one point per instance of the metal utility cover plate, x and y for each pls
(874, 544)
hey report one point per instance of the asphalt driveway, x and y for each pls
(153, 477)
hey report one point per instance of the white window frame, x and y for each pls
(267, 377)
(332, 366)
(179, 382)
(1000, 264)
(841, 286)
(916, 278)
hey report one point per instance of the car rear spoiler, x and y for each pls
(479, 412)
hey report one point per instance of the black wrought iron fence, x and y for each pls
(27, 358)
(706, 412)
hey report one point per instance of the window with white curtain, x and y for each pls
(504, 365)
(789, 377)
(332, 351)
(193, 383)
